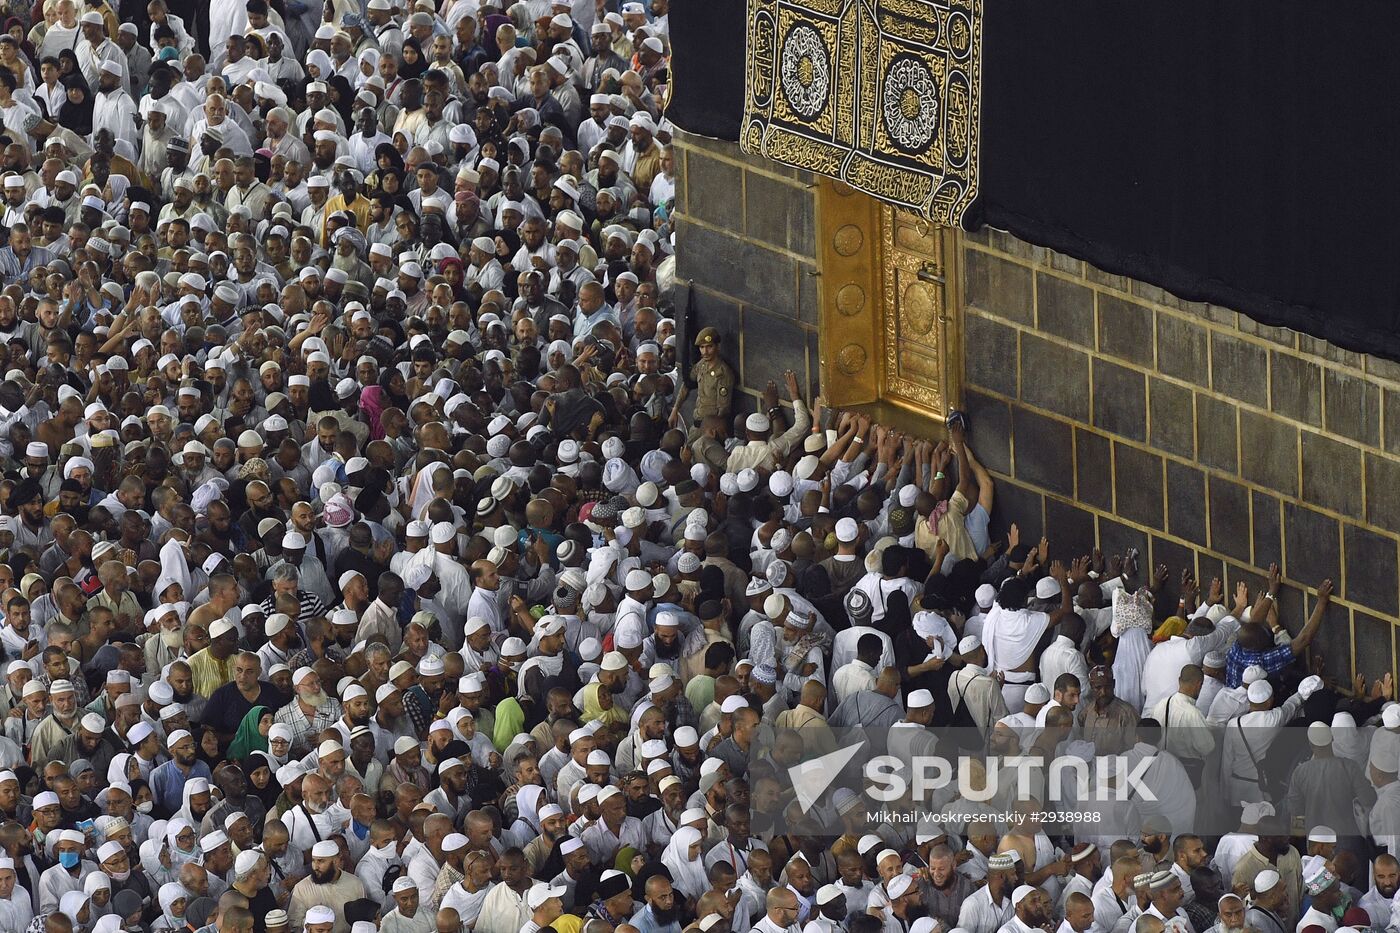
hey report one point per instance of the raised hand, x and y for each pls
(770, 395)
(1079, 570)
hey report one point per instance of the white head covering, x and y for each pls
(620, 478)
(687, 874)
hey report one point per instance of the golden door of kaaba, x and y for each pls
(890, 327)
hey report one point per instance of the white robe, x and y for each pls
(113, 110)
(225, 18)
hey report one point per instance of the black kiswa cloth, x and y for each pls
(1237, 154)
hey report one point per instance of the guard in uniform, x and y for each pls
(713, 379)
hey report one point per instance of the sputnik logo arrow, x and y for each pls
(811, 778)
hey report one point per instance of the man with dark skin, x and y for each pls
(1106, 720)
(508, 896)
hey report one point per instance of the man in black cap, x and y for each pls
(33, 532)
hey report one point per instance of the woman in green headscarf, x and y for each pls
(510, 719)
(598, 704)
(252, 734)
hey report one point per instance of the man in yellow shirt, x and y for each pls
(211, 667)
(349, 200)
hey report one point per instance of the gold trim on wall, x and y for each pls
(890, 299)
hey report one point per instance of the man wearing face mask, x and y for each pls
(70, 872)
(116, 864)
(383, 853)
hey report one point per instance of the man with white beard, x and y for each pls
(310, 713)
(349, 244)
(1231, 915)
(308, 822)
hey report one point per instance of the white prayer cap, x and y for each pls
(1260, 692)
(847, 530)
(246, 860)
(780, 484)
(899, 885)
(1252, 673)
(319, 913)
(1266, 881)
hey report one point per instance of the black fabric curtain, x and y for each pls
(1240, 153)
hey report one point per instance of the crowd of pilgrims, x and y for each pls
(382, 549)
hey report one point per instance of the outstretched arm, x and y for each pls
(1302, 639)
